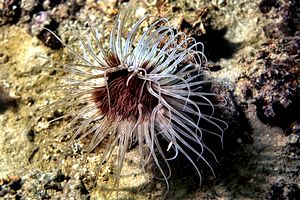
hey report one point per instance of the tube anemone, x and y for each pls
(146, 87)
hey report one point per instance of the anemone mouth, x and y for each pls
(124, 98)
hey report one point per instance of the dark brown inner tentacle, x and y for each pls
(124, 99)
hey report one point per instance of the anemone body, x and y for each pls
(147, 84)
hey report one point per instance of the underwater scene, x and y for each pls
(150, 99)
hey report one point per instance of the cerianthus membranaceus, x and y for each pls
(147, 87)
